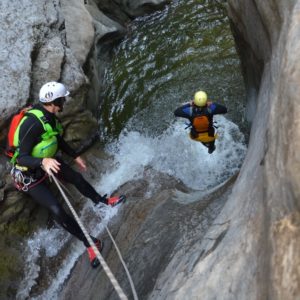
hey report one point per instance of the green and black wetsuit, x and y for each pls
(30, 135)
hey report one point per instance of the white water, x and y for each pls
(175, 154)
(172, 153)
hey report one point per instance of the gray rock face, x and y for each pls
(258, 255)
(279, 130)
(149, 232)
(33, 51)
(17, 39)
(79, 27)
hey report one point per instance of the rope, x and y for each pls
(118, 252)
(92, 244)
(124, 265)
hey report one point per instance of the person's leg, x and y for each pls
(75, 178)
(71, 176)
(210, 145)
(42, 195)
(205, 144)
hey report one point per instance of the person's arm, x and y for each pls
(184, 111)
(217, 109)
(29, 135)
(65, 147)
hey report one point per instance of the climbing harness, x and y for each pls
(22, 181)
(96, 251)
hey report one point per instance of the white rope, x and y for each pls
(124, 265)
(99, 256)
(134, 293)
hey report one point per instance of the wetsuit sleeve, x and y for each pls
(66, 148)
(29, 135)
(217, 109)
(184, 111)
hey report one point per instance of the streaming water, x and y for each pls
(163, 60)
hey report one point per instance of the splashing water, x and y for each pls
(51, 241)
(175, 154)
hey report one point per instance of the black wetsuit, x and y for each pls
(29, 136)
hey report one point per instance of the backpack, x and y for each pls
(10, 148)
(201, 123)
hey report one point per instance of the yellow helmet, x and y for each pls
(200, 98)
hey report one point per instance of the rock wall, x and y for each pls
(278, 99)
(34, 50)
(258, 256)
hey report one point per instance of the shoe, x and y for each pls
(92, 255)
(211, 149)
(113, 201)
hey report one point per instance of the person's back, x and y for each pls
(200, 113)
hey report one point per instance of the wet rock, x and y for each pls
(149, 233)
(257, 251)
(47, 64)
(123, 11)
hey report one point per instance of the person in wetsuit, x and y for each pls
(39, 137)
(200, 113)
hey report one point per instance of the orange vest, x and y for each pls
(201, 123)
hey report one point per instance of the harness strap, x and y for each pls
(38, 181)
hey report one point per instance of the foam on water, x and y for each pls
(48, 241)
(175, 154)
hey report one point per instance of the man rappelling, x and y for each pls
(36, 141)
(200, 113)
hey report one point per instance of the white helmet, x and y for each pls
(51, 91)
